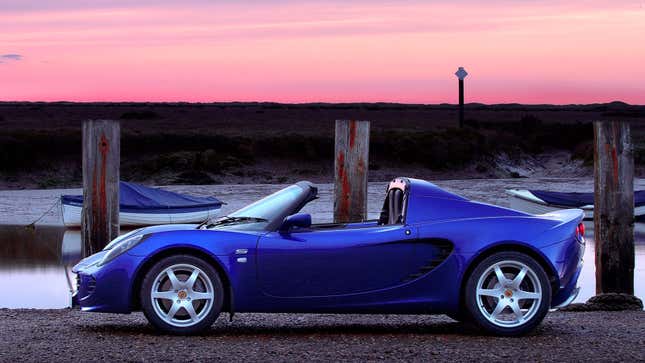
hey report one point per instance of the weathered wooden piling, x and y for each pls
(101, 161)
(614, 207)
(351, 166)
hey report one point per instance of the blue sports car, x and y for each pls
(430, 252)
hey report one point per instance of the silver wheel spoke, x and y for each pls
(499, 297)
(191, 280)
(172, 298)
(201, 296)
(500, 275)
(498, 309)
(526, 295)
(519, 278)
(173, 310)
(191, 310)
(490, 292)
(516, 310)
(176, 284)
(168, 295)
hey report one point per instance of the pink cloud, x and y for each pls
(545, 52)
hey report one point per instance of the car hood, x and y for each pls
(150, 230)
(164, 228)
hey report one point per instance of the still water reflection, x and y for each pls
(37, 263)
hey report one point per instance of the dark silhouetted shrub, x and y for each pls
(139, 115)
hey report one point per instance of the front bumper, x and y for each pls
(106, 288)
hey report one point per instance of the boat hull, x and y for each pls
(525, 201)
(72, 217)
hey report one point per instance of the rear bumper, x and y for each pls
(568, 263)
(569, 300)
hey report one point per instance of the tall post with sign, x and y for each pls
(461, 74)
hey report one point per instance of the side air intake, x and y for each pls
(439, 250)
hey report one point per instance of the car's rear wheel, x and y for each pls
(508, 293)
(458, 316)
(182, 295)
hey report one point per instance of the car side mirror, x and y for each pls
(301, 220)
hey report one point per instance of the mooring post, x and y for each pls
(101, 159)
(614, 207)
(351, 164)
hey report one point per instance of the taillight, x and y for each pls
(580, 231)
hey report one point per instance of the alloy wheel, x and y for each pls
(509, 293)
(182, 295)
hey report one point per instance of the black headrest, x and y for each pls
(396, 205)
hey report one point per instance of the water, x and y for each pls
(35, 266)
(35, 263)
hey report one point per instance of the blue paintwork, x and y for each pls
(358, 267)
(302, 220)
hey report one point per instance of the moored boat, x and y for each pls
(544, 201)
(141, 206)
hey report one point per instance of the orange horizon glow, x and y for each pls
(313, 51)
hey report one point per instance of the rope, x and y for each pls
(32, 225)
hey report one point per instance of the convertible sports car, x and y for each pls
(430, 252)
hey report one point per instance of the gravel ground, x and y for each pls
(57, 335)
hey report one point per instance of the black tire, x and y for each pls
(458, 316)
(210, 307)
(509, 262)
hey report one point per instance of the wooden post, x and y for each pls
(614, 207)
(101, 159)
(350, 165)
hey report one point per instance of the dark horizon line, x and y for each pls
(314, 103)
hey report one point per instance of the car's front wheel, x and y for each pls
(508, 293)
(182, 295)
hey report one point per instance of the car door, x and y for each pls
(329, 262)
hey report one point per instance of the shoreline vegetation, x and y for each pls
(238, 142)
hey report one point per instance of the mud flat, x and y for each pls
(24, 206)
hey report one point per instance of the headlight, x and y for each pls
(119, 248)
(121, 238)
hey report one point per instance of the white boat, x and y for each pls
(72, 217)
(142, 206)
(539, 202)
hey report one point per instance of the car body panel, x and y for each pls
(333, 262)
(417, 265)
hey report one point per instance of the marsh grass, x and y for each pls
(202, 142)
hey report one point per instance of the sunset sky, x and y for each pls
(322, 51)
